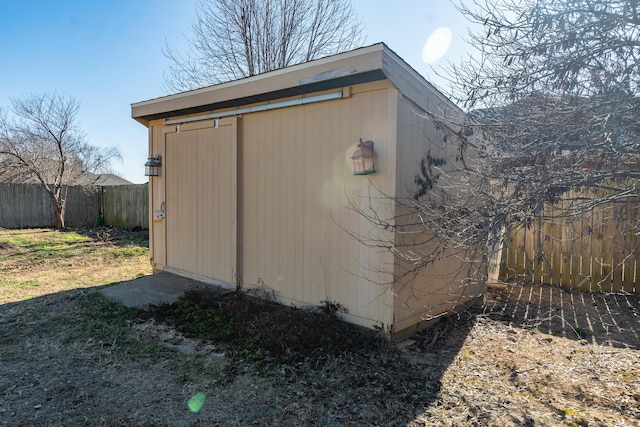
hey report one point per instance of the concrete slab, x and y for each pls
(155, 289)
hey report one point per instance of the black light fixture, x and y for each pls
(363, 158)
(152, 166)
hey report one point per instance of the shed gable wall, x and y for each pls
(424, 292)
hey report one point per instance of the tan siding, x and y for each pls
(216, 204)
(441, 286)
(201, 200)
(181, 217)
(297, 178)
(157, 242)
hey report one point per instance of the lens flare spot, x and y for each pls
(436, 45)
(196, 402)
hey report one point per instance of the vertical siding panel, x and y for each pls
(249, 194)
(180, 216)
(514, 259)
(311, 245)
(292, 217)
(264, 187)
(201, 193)
(357, 188)
(368, 120)
(283, 178)
(322, 153)
(271, 153)
(294, 208)
(381, 129)
(442, 285)
(157, 196)
(205, 208)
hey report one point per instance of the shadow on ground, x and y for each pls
(331, 372)
(77, 358)
(600, 318)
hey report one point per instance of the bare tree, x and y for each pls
(232, 39)
(41, 141)
(555, 89)
(552, 133)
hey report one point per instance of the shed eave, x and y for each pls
(318, 86)
(325, 73)
(411, 83)
(371, 63)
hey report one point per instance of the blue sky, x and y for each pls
(108, 54)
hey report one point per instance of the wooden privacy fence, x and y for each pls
(596, 250)
(28, 205)
(126, 205)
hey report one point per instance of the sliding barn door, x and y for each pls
(201, 200)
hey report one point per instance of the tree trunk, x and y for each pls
(58, 211)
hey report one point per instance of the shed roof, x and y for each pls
(366, 64)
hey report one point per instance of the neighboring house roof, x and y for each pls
(87, 179)
(367, 64)
(108, 179)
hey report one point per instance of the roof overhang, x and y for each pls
(367, 64)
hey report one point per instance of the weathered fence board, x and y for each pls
(83, 204)
(23, 204)
(596, 250)
(28, 205)
(126, 205)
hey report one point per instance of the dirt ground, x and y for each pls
(530, 356)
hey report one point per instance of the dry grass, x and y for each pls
(530, 356)
(510, 376)
(36, 262)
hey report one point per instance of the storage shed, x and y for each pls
(253, 183)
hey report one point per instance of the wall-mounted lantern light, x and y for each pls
(152, 166)
(363, 158)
